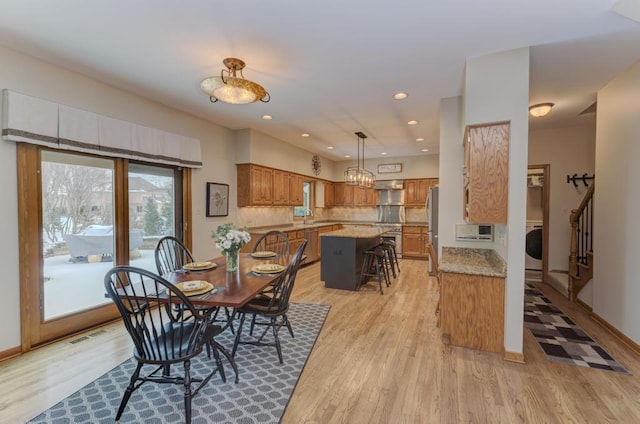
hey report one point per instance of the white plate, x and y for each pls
(268, 268)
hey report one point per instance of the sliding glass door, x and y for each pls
(79, 216)
(78, 239)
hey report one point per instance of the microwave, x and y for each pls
(474, 232)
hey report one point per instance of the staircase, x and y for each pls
(581, 248)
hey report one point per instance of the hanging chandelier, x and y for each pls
(356, 175)
(229, 88)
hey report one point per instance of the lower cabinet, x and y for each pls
(414, 242)
(472, 311)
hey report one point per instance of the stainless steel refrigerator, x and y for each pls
(432, 219)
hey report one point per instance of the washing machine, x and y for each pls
(533, 246)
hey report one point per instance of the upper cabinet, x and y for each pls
(295, 190)
(329, 199)
(281, 187)
(416, 191)
(343, 194)
(262, 186)
(254, 185)
(486, 173)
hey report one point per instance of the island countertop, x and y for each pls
(356, 232)
(462, 260)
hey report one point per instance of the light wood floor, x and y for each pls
(379, 359)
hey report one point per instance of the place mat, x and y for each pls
(268, 268)
(205, 287)
(560, 338)
(199, 266)
(261, 396)
(263, 254)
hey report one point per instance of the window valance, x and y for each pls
(36, 121)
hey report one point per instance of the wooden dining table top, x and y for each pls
(231, 289)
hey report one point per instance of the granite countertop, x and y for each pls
(364, 232)
(296, 226)
(463, 260)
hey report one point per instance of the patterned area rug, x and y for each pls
(560, 338)
(261, 396)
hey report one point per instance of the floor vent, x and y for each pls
(97, 333)
(78, 340)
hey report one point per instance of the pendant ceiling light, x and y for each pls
(356, 175)
(229, 88)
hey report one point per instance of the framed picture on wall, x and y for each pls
(217, 199)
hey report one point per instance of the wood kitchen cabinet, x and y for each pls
(414, 241)
(329, 200)
(295, 190)
(255, 185)
(416, 191)
(363, 196)
(343, 194)
(472, 311)
(296, 238)
(486, 173)
(281, 187)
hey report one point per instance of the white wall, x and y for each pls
(616, 291)
(568, 151)
(30, 76)
(497, 89)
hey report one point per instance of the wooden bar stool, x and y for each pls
(374, 266)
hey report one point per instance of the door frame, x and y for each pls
(546, 177)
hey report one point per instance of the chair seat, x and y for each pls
(261, 305)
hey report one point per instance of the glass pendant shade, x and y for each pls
(229, 88)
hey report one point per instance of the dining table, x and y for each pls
(230, 289)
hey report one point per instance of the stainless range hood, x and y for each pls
(389, 185)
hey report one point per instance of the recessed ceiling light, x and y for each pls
(419, 139)
(412, 122)
(330, 147)
(383, 153)
(424, 150)
(347, 156)
(267, 117)
(400, 96)
(304, 135)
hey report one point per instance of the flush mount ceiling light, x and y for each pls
(412, 122)
(400, 96)
(267, 117)
(356, 175)
(540, 109)
(229, 88)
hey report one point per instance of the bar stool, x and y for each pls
(389, 247)
(374, 266)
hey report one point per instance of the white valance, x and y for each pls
(36, 121)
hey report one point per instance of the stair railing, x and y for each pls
(581, 248)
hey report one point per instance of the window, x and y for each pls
(307, 200)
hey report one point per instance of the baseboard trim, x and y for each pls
(10, 353)
(514, 357)
(617, 333)
(584, 306)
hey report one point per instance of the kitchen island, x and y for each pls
(342, 254)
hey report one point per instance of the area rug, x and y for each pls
(560, 338)
(261, 396)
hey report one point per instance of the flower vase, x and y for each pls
(232, 261)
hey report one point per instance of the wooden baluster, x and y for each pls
(573, 252)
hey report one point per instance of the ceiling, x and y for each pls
(331, 66)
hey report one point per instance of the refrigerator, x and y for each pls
(432, 219)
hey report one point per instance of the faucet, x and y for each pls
(307, 212)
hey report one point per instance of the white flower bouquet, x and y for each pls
(229, 239)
